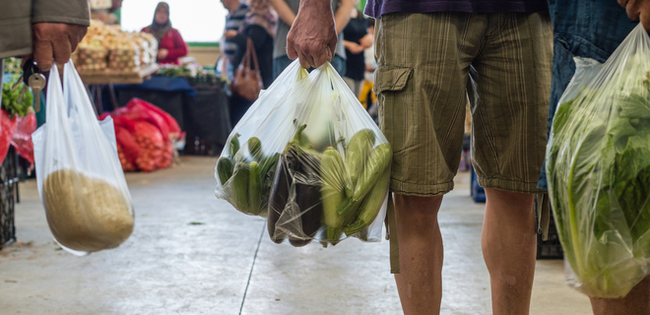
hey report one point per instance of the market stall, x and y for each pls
(107, 56)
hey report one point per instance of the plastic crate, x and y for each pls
(551, 248)
(8, 197)
(476, 191)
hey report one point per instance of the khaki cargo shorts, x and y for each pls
(431, 65)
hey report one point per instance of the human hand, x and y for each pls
(355, 48)
(230, 34)
(312, 37)
(638, 10)
(366, 41)
(163, 53)
(54, 42)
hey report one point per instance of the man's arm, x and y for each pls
(284, 11)
(312, 37)
(638, 10)
(342, 15)
(57, 27)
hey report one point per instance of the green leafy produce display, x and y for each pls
(598, 169)
(10, 99)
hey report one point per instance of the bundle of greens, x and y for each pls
(11, 101)
(598, 167)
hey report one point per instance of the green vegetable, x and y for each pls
(255, 189)
(240, 187)
(10, 98)
(376, 165)
(233, 147)
(356, 156)
(255, 148)
(371, 205)
(598, 167)
(224, 169)
(332, 192)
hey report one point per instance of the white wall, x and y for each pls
(197, 20)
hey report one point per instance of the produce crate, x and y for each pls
(477, 192)
(551, 248)
(8, 197)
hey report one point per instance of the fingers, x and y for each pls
(645, 18)
(633, 9)
(62, 50)
(305, 60)
(43, 54)
(623, 3)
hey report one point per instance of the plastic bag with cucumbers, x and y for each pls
(308, 157)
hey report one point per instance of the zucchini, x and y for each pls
(371, 205)
(233, 145)
(332, 192)
(356, 156)
(240, 187)
(255, 148)
(376, 165)
(224, 169)
(255, 188)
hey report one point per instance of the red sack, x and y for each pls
(22, 138)
(152, 146)
(172, 124)
(7, 129)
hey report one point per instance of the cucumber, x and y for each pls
(255, 189)
(233, 145)
(255, 148)
(356, 156)
(377, 164)
(371, 205)
(224, 169)
(240, 187)
(332, 192)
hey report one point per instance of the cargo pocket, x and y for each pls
(391, 79)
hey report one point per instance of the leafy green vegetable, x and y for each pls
(598, 169)
(10, 98)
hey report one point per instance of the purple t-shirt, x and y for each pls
(377, 8)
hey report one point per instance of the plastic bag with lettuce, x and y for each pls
(598, 166)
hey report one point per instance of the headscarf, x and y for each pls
(260, 14)
(160, 30)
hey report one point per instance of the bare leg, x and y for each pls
(420, 250)
(636, 302)
(509, 249)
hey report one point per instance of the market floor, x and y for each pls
(193, 254)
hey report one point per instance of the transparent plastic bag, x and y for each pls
(80, 180)
(307, 156)
(598, 168)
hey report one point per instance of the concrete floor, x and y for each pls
(193, 254)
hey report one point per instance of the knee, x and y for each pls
(417, 210)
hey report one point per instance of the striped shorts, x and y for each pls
(430, 66)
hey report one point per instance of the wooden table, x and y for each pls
(94, 80)
(110, 77)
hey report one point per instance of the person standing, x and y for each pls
(234, 20)
(171, 45)
(427, 52)
(287, 10)
(356, 41)
(594, 29)
(259, 26)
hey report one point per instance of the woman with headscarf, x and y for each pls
(171, 45)
(259, 25)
